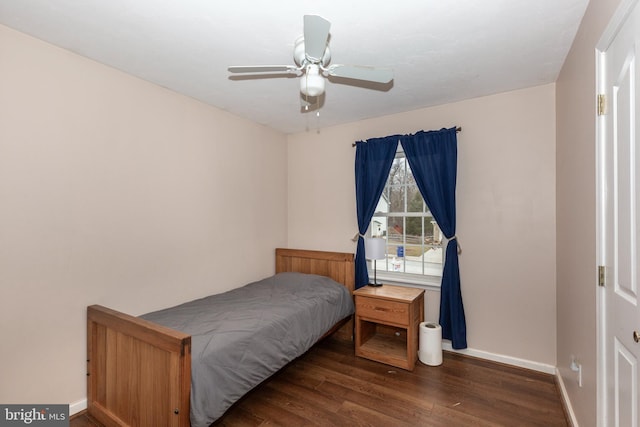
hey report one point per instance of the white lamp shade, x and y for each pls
(312, 83)
(375, 248)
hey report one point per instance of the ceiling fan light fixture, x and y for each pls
(312, 83)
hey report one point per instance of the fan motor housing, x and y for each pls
(300, 58)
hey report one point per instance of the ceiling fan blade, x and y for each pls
(361, 72)
(262, 69)
(316, 35)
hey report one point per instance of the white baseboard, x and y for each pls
(566, 401)
(509, 360)
(78, 406)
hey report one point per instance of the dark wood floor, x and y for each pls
(329, 386)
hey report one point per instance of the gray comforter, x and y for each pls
(241, 337)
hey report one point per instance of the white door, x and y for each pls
(619, 162)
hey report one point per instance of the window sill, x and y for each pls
(427, 282)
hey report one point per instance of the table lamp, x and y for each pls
(375, 249)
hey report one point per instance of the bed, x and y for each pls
(141, 372)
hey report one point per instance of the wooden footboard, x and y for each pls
(139, 373)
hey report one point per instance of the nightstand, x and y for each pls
(387, 324)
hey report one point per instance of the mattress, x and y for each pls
(241, 337)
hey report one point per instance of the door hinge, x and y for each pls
(602, 104)
(602, 274)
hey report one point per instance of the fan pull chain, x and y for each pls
(306, 95)
(318, 115)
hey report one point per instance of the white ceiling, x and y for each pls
(441, 51)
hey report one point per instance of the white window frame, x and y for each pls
(423, 280)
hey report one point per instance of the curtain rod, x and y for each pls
(458, 129)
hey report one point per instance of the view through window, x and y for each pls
(413, 239)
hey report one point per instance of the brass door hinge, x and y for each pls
(602, 275)
(602, 104)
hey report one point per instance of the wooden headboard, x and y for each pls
(337, 265)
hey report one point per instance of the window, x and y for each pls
(414, 240)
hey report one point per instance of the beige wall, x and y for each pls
(506, 209)
(576, 211)
(118, 192)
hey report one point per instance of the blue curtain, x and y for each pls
(373, 163)
(432, 157)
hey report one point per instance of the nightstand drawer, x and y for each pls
(382, 310)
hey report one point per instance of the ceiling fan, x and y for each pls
(312, 56)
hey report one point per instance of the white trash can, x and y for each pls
(430, 348)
